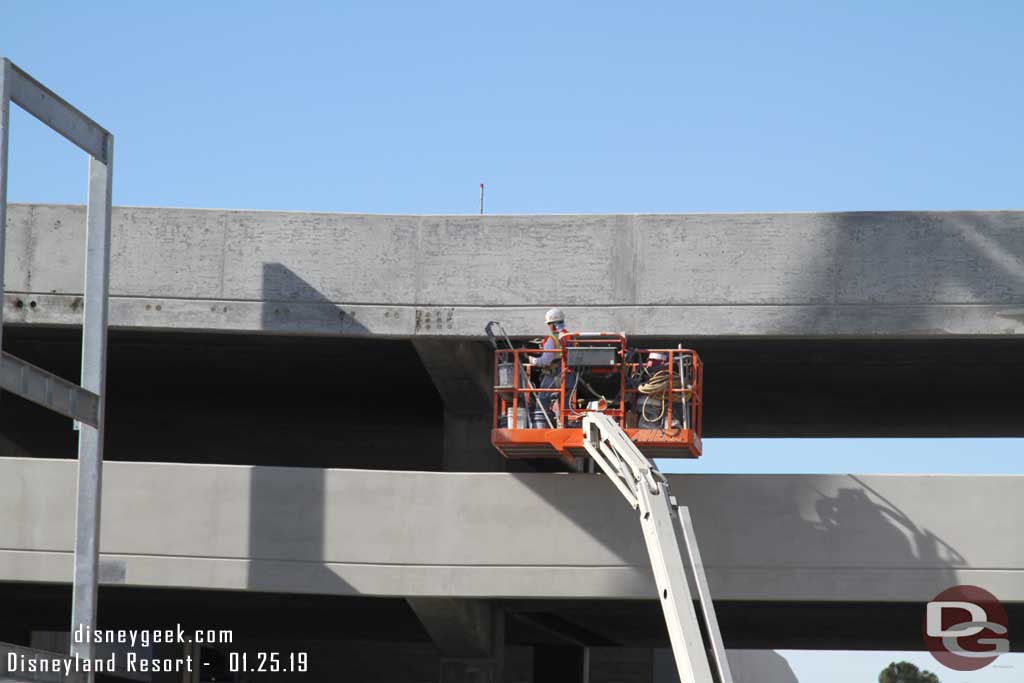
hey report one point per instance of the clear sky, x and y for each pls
(558, 107)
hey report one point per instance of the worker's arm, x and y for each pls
(548, 357)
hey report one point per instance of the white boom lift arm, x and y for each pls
(646, 489)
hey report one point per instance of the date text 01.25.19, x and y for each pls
(285, 662)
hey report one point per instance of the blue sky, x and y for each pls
(563, 107)
(558, 107)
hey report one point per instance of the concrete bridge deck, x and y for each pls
(897, 274)
(764, 538)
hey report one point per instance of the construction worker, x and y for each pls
(552, 343)
(550, 362)
(652, 381)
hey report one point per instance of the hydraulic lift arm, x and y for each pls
(664, 523)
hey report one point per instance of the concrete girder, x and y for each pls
(461, 372)
(764, 538)
(865, 274)
(470, 635)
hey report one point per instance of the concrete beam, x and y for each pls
(470, 635)
(906, 274)
(461, 370)
(827, 538)
(459, 628)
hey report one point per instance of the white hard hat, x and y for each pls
(554, 315)
(657, 355)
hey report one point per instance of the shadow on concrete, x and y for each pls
(292, 305)
(282, 540)
(286, 544)
(971, 259)
(815, 537)
(881, 277)
(280, 400)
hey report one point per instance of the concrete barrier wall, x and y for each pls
(359, 532)
(855, 274)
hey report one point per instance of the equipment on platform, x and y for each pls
(593, 356)
(509, 376)
(653, 394)
(664, 523)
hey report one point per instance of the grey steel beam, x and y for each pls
(51, 109)
(94, 373)
(48, 390)
(5, 106)
(43, 387)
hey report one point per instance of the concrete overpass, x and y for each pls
(537, 542)
(254, 353)
(865, 274)
(848, 324)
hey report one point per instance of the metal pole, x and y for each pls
(481, 199)
(94, 371)
(719, 659)
(5, 106)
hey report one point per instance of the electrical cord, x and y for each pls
(656, 387)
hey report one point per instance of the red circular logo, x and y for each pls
(965, 628)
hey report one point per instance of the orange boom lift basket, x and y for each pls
(598, 372)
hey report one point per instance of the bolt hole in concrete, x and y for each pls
(664, 594)
(18, 303)
(32, 304)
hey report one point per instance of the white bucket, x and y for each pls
(523, 421)
(506, 371)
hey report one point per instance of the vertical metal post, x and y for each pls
(5, 107)
(94, 372)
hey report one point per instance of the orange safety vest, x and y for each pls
(560, 340)
(563, 336)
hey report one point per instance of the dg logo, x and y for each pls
(965, 628)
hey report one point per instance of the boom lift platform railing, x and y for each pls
(596, 372)
(664, 523)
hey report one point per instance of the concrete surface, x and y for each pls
(244, 399)
(418, 534)
(929, 274)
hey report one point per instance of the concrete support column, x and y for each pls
(470, 635)
(467, 445)
(461, 372)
